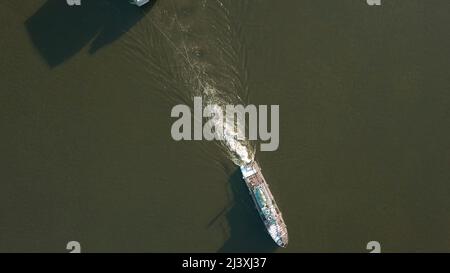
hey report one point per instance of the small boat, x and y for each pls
(139, 3)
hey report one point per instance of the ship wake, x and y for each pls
(207, 58)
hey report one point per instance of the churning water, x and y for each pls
(204, 55)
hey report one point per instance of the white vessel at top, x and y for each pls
(139, 3)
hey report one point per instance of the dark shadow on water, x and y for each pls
(247, 232)
(59, 31)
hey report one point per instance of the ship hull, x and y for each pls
(265, 203)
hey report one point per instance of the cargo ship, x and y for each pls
(265, 203)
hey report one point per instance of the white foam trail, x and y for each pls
(230, 134)
(230, 138)
(195, 72)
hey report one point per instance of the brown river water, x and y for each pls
(86, 152)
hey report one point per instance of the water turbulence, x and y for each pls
(193, 48)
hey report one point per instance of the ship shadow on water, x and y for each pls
(246, 231)
(59, 31)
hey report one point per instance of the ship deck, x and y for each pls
(253, 178)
